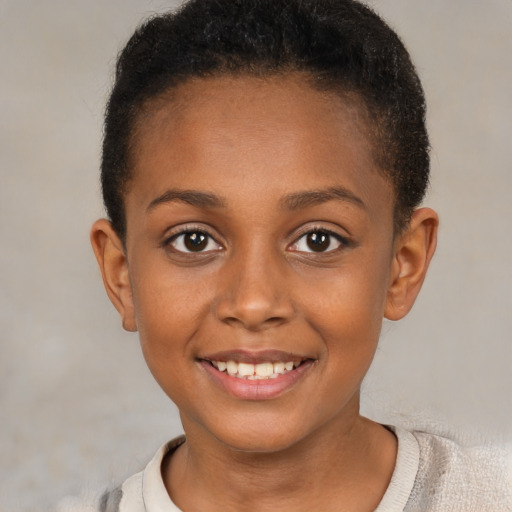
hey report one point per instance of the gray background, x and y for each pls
(78, 408)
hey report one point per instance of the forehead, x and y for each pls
(280, 131)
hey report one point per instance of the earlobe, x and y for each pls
(413, 252)
(111, 257)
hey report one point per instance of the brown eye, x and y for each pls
(194, 241)
(318, 241)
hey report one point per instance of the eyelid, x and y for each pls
(344, 241)
(175, 232)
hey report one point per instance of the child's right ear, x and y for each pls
(111, 257)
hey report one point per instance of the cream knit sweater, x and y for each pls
(432, 474)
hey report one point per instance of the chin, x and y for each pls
(261, 436)
(260, 444)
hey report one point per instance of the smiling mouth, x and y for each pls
(262, 375)
(261, 371)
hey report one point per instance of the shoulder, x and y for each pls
(434, 473)
(110, 500)
(142, 491)
(453, 476)
(127, 497)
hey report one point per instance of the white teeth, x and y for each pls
(232, 368)
(251, 371)
(263, 369)
(246, 369)
(279, 367)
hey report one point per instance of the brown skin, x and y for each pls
(257, 285)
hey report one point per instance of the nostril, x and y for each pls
(276, 320)
(253, 322)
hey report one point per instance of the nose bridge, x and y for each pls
(254, 293)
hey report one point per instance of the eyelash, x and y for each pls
(173, 240)
(326, 235)
(331, 235)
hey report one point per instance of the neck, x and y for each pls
(343, 466)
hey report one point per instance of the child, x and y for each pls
(263, 166)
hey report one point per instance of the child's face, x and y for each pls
(259, 230)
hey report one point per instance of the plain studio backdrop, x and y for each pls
(78, 407)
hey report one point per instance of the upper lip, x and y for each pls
(255, 357)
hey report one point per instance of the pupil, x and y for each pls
(318, 241)
(195, 241)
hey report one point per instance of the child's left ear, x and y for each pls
(413, 251)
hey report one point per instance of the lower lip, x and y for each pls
(258, 389)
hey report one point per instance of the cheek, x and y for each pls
(169, 307)
(346, 310)
(349, 299)
(349, 324)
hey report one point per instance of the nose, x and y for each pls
(255, 293)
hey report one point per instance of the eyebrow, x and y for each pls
(192, 197)
(307, 198)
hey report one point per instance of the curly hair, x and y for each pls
(339, 45)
